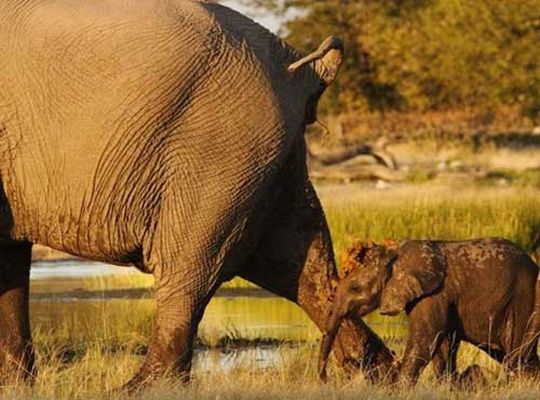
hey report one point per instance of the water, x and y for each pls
(75, 269)
(256, 326)
(261, 357)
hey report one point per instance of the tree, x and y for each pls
(423, 54)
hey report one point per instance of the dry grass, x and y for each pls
(294, 378)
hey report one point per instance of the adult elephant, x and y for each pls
(166, 135)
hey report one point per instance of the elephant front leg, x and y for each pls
(295, 260)
(16, 356)
(428, 324)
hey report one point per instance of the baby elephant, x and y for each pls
(480, 291)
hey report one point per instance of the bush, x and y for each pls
(424, 54)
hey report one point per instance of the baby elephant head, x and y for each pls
(385, 277)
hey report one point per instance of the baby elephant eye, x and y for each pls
(355, 289)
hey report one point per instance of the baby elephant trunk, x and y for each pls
(332, 326)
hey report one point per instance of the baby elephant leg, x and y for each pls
(427, 329)
(416, 356)
(472, 378)
(445, 358)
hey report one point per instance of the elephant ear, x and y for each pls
(419, 271)
(327, 58)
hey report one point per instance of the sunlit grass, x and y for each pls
(293, 377)
(120, 281)
(356, 213)
(126, 325)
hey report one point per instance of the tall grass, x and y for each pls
(293, 377)
(358, 213)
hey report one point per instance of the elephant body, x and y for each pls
(490, 288)
(480, 291)
(168, 135)
(109, 106)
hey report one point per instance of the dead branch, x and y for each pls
(344, 164)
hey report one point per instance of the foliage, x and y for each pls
(424, 54)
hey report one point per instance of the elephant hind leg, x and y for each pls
(184, 284)
(16, 352)
(445, 358)
(295, 260)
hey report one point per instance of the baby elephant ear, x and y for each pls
(419, 271)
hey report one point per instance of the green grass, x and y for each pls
(424, 212)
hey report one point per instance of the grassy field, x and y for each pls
(97, 372)
(87, 348)
(451, 213)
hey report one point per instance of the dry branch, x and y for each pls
(345, 165)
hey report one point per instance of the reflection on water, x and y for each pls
(252, 317)
(227, 360)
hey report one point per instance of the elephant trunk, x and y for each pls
(332, 326)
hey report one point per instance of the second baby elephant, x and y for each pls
(480, 291)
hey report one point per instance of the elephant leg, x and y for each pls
(427, 331)
(16, 353)
(182, 295)
(445, 358)
(295, 260)
(416, 356)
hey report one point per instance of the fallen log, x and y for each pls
(346, 164)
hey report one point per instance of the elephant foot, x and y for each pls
(138, 383)
(148, 375)
(472, 379)
(359, 349)
(18, 368)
